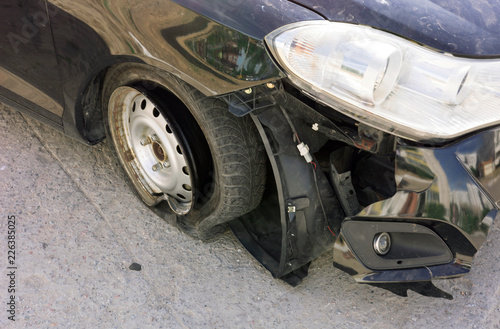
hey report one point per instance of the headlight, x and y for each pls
(388, 82)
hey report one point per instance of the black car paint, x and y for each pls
(300, 216)
(466, 28)
(29, 75)
(253, 18)
(73, 33)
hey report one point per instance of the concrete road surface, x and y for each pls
(79, 228)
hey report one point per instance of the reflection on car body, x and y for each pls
(302, 126)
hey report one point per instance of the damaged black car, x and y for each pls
(370, 128)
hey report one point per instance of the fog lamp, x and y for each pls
(382, 243)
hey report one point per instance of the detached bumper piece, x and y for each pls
(446, 200)
(299, 212)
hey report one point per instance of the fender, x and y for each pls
(213, 58)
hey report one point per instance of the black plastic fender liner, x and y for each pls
(289, 229)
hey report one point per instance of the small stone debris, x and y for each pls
(135, 267)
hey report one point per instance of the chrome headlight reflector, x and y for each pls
(389, 82)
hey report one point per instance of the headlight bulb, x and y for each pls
(365, 69)
(439, 80)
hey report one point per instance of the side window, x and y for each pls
(28, 65)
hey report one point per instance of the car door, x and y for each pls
(29, 78)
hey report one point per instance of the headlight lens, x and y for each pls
(388, 82)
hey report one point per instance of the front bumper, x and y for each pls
(452, 191)
(437, 203)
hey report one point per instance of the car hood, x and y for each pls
(465, 27)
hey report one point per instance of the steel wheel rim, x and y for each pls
(150, 150)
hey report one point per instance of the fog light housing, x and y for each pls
(394, 245)
(382, 243)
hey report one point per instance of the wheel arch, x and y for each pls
(82, 118)
(85, 121)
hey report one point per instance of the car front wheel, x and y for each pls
(182, 149)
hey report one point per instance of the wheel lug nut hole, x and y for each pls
(156, 113)
(185, 170)
(186, 187)
(159, 152)
(143, 104)
(167, 127)
(178, 148)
